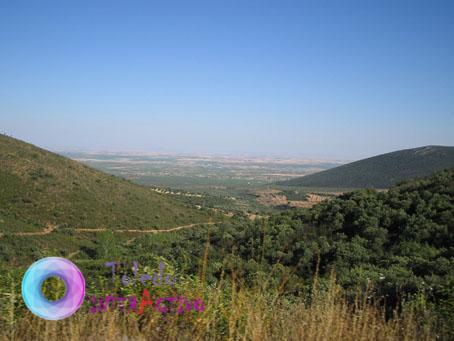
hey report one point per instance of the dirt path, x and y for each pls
(50, 228)
(172, 229)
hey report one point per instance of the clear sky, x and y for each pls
(343, 79)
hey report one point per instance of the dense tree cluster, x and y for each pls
(399, 242)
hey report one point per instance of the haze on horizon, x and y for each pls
(292, 78)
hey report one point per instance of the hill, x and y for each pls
(39, 188)
(381, 171)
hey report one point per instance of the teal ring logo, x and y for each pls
(33, 280)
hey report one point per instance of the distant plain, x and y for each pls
(232, 183)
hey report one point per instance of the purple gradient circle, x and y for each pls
(33, 280)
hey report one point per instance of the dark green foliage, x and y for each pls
(381, 171)
(401, 239)
(400, 243)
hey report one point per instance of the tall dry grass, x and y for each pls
(232, 313)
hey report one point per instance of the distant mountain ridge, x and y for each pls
(39, 188)
(381, 171)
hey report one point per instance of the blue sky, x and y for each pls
(340, 79)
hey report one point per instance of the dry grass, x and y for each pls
(232, 314)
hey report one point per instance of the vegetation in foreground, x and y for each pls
(231, 312)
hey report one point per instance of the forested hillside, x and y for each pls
(39, 188)
(381, 171)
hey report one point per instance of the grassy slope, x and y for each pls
(382, 171)
(38, 187)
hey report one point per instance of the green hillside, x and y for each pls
(38, 188)
(381, 171)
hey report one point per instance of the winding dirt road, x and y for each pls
(51, 228)
(172, 229)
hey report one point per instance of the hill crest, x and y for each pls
(381, 171)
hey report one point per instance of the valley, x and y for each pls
(229, 229)
(232, 184)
